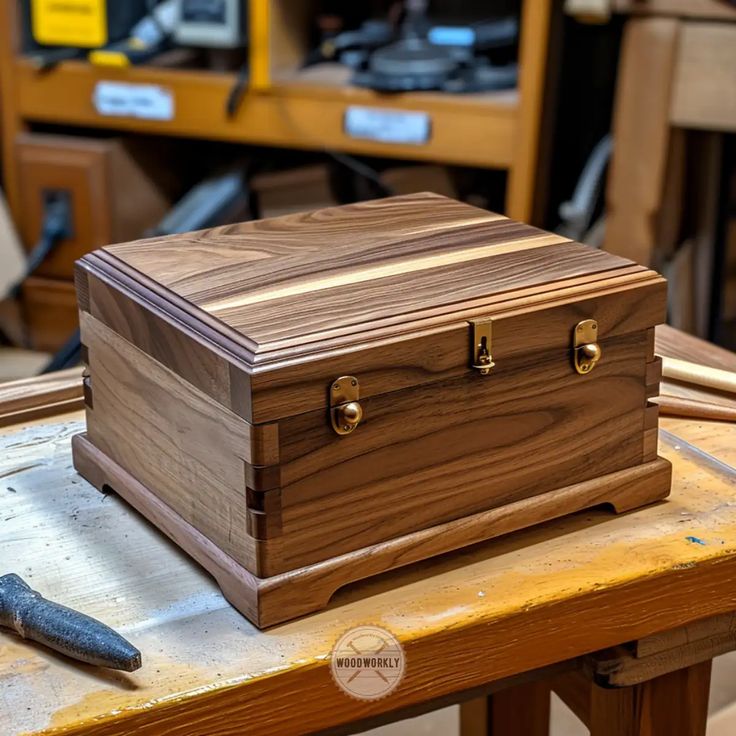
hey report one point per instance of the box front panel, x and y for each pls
(439, 452)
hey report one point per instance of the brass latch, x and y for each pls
(345, 409)
(585, 344)
(482, 359)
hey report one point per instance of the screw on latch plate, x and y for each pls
(587, 351)
(482, 359)
(346, 412)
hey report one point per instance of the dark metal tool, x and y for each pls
(72, 633)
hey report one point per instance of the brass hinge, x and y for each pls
(482, 358)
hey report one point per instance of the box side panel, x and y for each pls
(171, 343)
(440, 452)
(172, 438)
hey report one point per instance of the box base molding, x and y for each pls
(273, 600)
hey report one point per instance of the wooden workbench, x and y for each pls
(496, 611)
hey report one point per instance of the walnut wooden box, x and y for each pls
(305, 401)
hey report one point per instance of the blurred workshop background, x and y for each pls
(605, 120)
(610, 121)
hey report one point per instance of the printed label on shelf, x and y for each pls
(123, 99)
(387, 126)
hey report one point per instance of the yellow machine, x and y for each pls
(84, 24)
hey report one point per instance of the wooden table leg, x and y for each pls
(522, 709)
(674, 704)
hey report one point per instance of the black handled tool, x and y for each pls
(72, 633)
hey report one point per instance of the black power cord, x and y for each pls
(57, 225)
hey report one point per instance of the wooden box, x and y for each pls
(309, 400)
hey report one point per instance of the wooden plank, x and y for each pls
(259, 47)
(673, 343)
(682, 407)
(533, 63)
(40, 396)
(704, 95)
(474, 130)
(704, 376)
(704, 629)
(641, 129)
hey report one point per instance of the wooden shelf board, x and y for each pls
(296, 112)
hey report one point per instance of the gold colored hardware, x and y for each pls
(482, 359)
(345, 409)
(586, 347)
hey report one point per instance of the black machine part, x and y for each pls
(429, 56)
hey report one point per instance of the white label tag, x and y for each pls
(122, 99)
(387, 126)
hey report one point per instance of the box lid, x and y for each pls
(384, 288)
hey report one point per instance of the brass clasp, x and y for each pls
(587, 351)
(482, 358)
(345, 409)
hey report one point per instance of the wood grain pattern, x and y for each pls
(466, 453)
(400, 355)
(681, 407)
(282, 597)
(674, 343)
(32, 398)
(174, 438)
(408, 450)
(377, 244)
